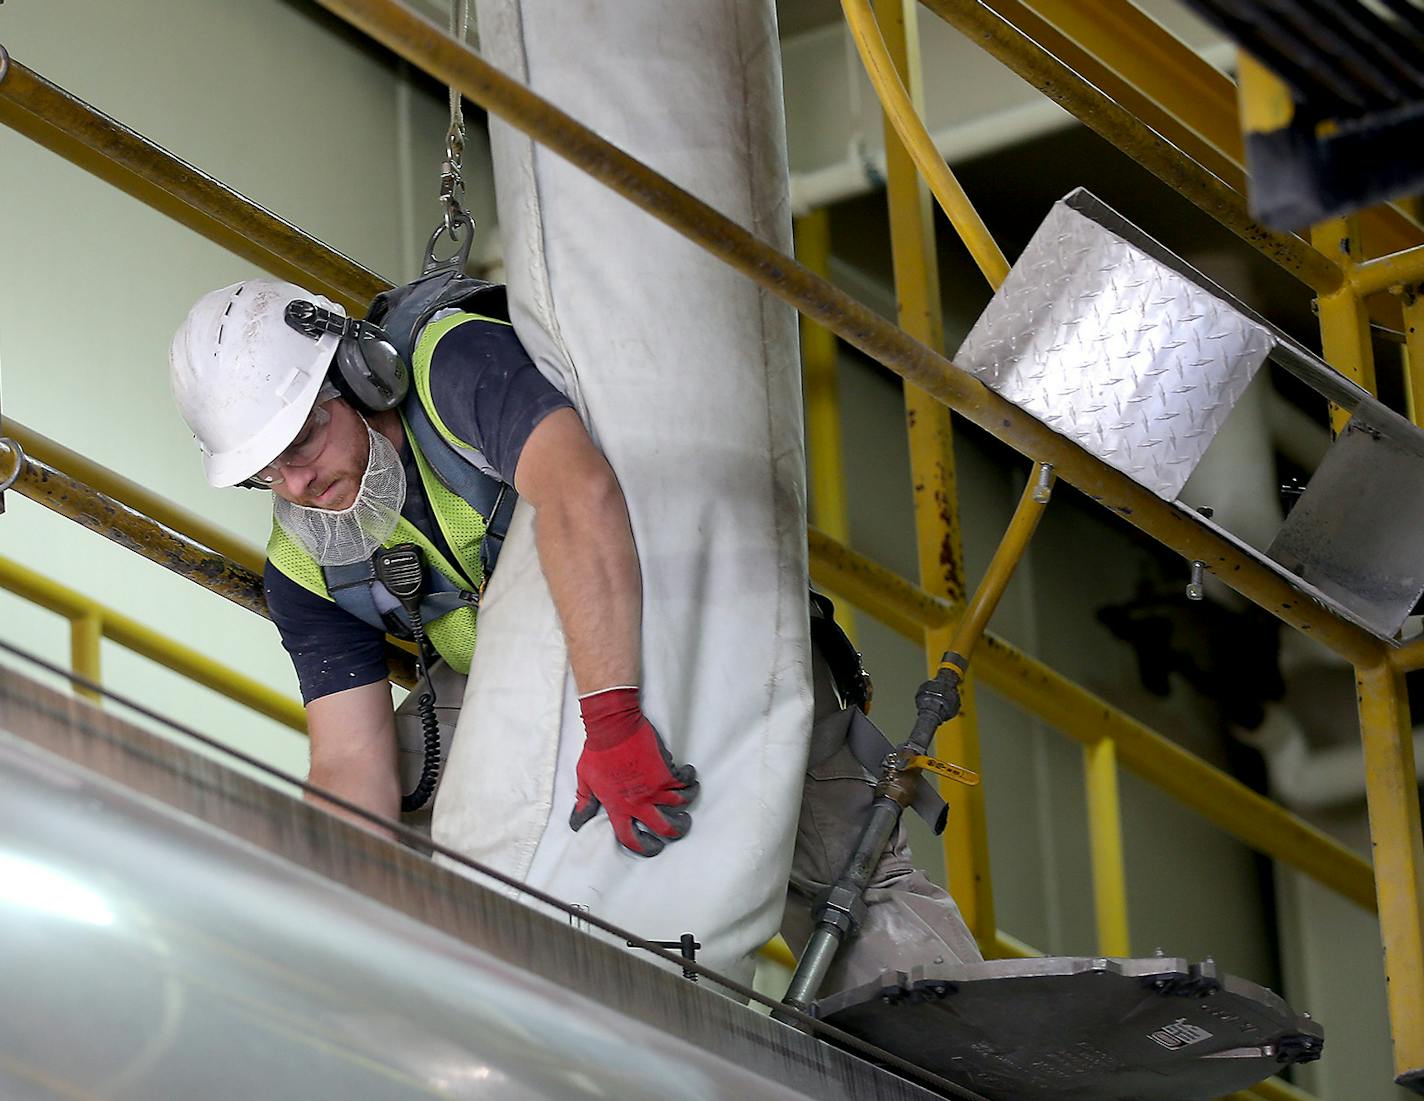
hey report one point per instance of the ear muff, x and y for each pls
(370, 369)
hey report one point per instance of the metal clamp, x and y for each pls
(12, 445)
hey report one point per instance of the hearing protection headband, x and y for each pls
(370, 368)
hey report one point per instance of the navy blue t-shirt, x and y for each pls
(490, 395)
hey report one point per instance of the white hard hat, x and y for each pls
(243, 379)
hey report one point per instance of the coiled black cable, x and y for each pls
(402, 570)
(429, 726)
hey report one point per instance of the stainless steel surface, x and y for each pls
(1115, 350)
(1082, 1029)
(1357, 532)
(169, 928)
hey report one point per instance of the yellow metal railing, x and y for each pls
(91, 622)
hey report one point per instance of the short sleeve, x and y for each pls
(330, 649)
(488, 392)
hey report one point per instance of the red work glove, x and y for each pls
(626, 769)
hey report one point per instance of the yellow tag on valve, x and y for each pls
(944, 768)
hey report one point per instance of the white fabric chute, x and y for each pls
(687, 376)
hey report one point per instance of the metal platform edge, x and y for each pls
(286, 827)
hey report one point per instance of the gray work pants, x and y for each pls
(909, 920)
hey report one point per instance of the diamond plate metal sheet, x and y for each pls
(1115, 350)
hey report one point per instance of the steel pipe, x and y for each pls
(134, 531)
(137, 497)
(121, 523)
(429, 47)
(96, 143)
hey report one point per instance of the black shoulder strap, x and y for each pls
(490, 497)
(403, 311)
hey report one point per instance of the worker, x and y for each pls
(285, 393)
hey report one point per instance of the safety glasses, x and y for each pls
(302, 450)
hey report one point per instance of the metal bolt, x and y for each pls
(1196, 590)
(1043, 488)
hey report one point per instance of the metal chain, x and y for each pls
(452, 179)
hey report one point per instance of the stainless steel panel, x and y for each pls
(145, 957)
(1115, 350)
(1357, 532)
(170, 928)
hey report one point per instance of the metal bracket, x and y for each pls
(9, 445)
(687, 945)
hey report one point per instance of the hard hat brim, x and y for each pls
(228, 468)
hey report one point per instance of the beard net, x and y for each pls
(339, 537)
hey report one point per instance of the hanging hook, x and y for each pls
(4, 63)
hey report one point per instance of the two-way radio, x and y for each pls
(401, 569)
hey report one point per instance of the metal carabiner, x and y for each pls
(455, 219)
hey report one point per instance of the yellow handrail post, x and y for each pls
(1414, 353)
(932, 473)
(823, 409)
(1392, 793)
(1105, 842)
(86, 632)
(1344, 324)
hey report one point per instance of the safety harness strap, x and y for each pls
(490, 497)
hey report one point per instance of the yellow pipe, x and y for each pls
(1105, 842)
(136, 496)
(1344, 323)
(1392, 793)
(1006, 947)
(1414, 356)
(902, 114)
(1173, 89)
(1227, 803)
(86, 631)
(1007, 556)
(1072, 710)
(900, 604)
(939, 547)
(825, 466)
(1408, 657)
(148, 643)
(1398, 269)
(1272, 1089)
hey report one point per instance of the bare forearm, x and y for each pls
(586, 549)
(358, 783)
(353, 751)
